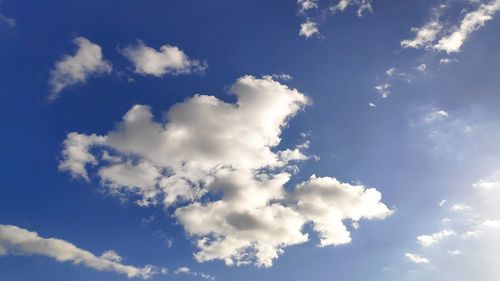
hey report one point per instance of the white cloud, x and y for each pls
(7, 20)
(423, 35)
(490, 183)
(308, 29)
(305, 5)
(76, 69)
(457, 208)
(434, 35)
(471, 22)
(391, 71)
(446, 61)
(206, 145)
(454, 252)
(429, 240)
(442, 203)
(364, 6)
(167, 60)
(383, 89)
(421, 67)
(19, 241)
(416, 258)
(371, 104)
(434, 115)
(188, 271)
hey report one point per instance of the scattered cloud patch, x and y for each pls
(187, 271)
(206, 147)
(383, 89)
(429, 240)
(76, 69)
(421, 68)
(7, 20)
(305, 5)
(490, 183)
(364, 6)
(308, 29)
(416, 258)
(18, 241)
(457, 208)
(167, 60)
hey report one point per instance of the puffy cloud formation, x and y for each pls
(19, 241)
(383, 89)
(308, 28)
(364, 6)
(490, 183)
(423, 35)
(429, 240)
(472, 21)
(217, 165)
(416, 258)
(433, 35)
(75, 69)
(167, 60)
(305, 5)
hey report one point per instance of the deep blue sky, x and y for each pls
(387, 147)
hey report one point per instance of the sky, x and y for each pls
(250, 140)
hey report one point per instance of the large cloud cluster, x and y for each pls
(217, 165)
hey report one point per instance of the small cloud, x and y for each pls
(383, 89)
(442, 203)
(435, 115)
(188, 271)
(308, 29)
(7, 20)
(454, 252)
(371, 104)
(446, 61)
(76, 69)
(391, 71)
(489, 183)
(429, 240)
(421, 68)
(282, 77)
(305, 5)
(167, 60)
(416, 258)
(457, 208)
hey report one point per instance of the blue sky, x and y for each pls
(250, 140)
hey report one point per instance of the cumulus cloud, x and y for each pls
(305, 5)
(76, 69)
(431, 239)
(308, 29)
(436, 35)
(167, 60)
(364, 6)
(416, 258)
(423, 35)
(18, 241)
(471, 22)
(216, 164)
(383, 89)
(421, 68)
(490, 183)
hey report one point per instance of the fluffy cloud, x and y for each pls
(434, 35)
(217, 165)
(19, 241)
(364, 6)
(75, 69)
(490, 183)
(429, 240)
(416, 258)
(167, 60)
(305, 5)
(472, 21)
(308, 29)
(383, 89)
(423, 35)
